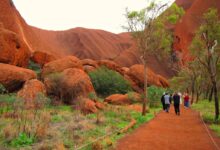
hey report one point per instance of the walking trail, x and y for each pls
(170, 132)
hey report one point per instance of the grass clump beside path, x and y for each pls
(207, 110)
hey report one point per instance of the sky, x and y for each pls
(65, 14)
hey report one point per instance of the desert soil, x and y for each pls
(170, 132)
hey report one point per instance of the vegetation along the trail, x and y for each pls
(49, 127)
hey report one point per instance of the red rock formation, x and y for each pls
(88, 106)
(72, 84)
(186, 28)
(13, 77)
(89, 65)
(30, 91)
(120, 99)
(42, 58)
(111, 65)
(136, 74)
(13, 50)
(80, 42)
(60, 65)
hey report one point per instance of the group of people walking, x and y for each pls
(176, 98)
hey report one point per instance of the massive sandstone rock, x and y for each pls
(184, 31)
(136, 74)
(42, 58)
(31, 90)
(73, 83)
(13, 77)
(60, 65)
(13, 50)
(120, 99)
(80, 42)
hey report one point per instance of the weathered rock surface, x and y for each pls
(60, 65)
(13, 77)
(13, 50)
(69, 84)
(89, 65)
(88, 106)
(136, 74)
(184, 31)
(32, 90)
(42, 58)
(120, 99)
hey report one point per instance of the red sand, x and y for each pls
(170, 132)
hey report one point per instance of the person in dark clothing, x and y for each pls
(176, 103)
(171, 98)
(163, 101)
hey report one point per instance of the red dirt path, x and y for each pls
(170, 132)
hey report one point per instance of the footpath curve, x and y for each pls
(170, 132)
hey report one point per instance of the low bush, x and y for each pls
(22, 140)
(35, 67)
(154, 95)
(2, 89)
(107, 82)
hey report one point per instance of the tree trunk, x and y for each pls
(197, 97)
(211, 94)
(193, 90)
(206, 93)
(215, 90)
(145, 90)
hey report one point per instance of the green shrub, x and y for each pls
(154, 95)
(6, 102)
(92, 96)
(35, 67)
(56, 118)
(107, 82)
(133, 98)
(2, 89)
(22, 140)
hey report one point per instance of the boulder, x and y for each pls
(136, 74)
(120, 99)
(42, 58)
(111, 65)
(89, 62)
(60, 65)
(89, 65)
(99, 105)
(31, 90)
(13, 50)
(88, 106)
(12, 77)
(69, 84)
(88, 68)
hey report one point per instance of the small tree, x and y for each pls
(150, 34)
(206, 49)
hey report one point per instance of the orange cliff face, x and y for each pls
(190, 22)
(80, 42)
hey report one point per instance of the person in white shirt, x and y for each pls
(167, 102)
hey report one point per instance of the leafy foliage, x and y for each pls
(107, 82)
(2, 89)
(154, 95)
(35, 67)
(22, 140)
(206, 49)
